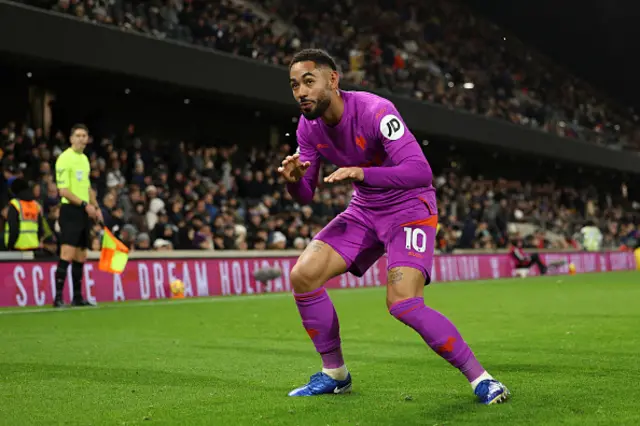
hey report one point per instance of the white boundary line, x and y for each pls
(152, 302)
(194, 300)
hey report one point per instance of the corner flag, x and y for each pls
(114, 254)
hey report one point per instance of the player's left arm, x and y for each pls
(410, 169)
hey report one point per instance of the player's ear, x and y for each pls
(334, 79)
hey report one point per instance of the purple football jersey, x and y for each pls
(371, 134)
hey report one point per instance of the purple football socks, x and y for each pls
(439, 333)
(320, 319)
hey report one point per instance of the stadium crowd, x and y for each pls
(226, 198)
(434, 50)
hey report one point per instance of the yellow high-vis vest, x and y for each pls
(29, 211)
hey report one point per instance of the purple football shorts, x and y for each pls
(406, 233)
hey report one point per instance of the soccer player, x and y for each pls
(524, 260)
(393, 210)
(77, 214)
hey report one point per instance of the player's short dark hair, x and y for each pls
(79, 126)
(318, 56)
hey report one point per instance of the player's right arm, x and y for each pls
(306, 161)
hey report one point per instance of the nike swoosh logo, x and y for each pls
(337, 389)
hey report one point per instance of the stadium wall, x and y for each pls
(148, 275)
(69, 41)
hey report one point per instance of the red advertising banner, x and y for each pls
(33, 283)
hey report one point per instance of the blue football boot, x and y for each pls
(491, 392)
(320, 383)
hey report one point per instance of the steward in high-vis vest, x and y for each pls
(24, 228)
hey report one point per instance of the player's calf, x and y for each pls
(316, 265)
(406, 303)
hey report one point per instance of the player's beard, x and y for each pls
(322, 104)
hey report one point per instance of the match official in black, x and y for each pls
(78, 213)
(24, 229)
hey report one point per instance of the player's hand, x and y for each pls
(91, 210)
(293, 169)
(99, 216)
(346, 174)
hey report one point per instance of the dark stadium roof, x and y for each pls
(595, 40)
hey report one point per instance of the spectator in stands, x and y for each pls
(203, 238)
(143, 242)
(162, 245)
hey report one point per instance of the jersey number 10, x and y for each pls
(416, 239)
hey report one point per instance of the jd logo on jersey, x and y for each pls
(391, 127)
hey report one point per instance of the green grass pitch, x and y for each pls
(567, 347)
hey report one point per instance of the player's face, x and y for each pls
(312, 87)
(79, 138)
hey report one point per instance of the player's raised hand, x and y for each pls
(293, 169)
(348, 174)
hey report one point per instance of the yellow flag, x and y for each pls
(114, 254)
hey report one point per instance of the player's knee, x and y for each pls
(67, 253)
(80, 256)
(404, 283)
(393, 299)
(305, 277)
(317, 264)
(401, 295)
